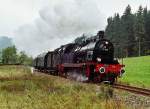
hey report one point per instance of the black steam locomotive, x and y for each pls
(92, 60)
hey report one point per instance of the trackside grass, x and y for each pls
(10, 71)
(137, 71)
(40, 91)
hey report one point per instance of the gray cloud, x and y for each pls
(59, 23)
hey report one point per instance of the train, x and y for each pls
(90, 60)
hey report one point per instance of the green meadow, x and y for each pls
(137, 71)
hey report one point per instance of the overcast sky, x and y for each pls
(40, 25)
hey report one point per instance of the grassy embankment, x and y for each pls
(12, 71)
(39, 91)
(137, 71)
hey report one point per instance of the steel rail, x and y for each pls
(137, 90)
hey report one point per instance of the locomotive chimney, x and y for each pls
(100, 34)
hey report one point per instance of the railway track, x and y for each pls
(137, 90)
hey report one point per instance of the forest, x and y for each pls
(130, 32)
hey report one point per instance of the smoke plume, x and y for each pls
(59, 23)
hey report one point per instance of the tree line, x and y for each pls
(10, 55)
(130, 32)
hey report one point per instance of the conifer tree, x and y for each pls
(128, 31)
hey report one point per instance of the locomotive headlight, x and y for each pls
(102, 70)
(122, 71)
(98, 59)
(106, 42)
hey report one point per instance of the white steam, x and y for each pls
(59, 23)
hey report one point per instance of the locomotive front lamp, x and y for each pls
(98, 59)
(122, 71)
(106, 42)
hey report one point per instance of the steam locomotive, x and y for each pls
(90, 60)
